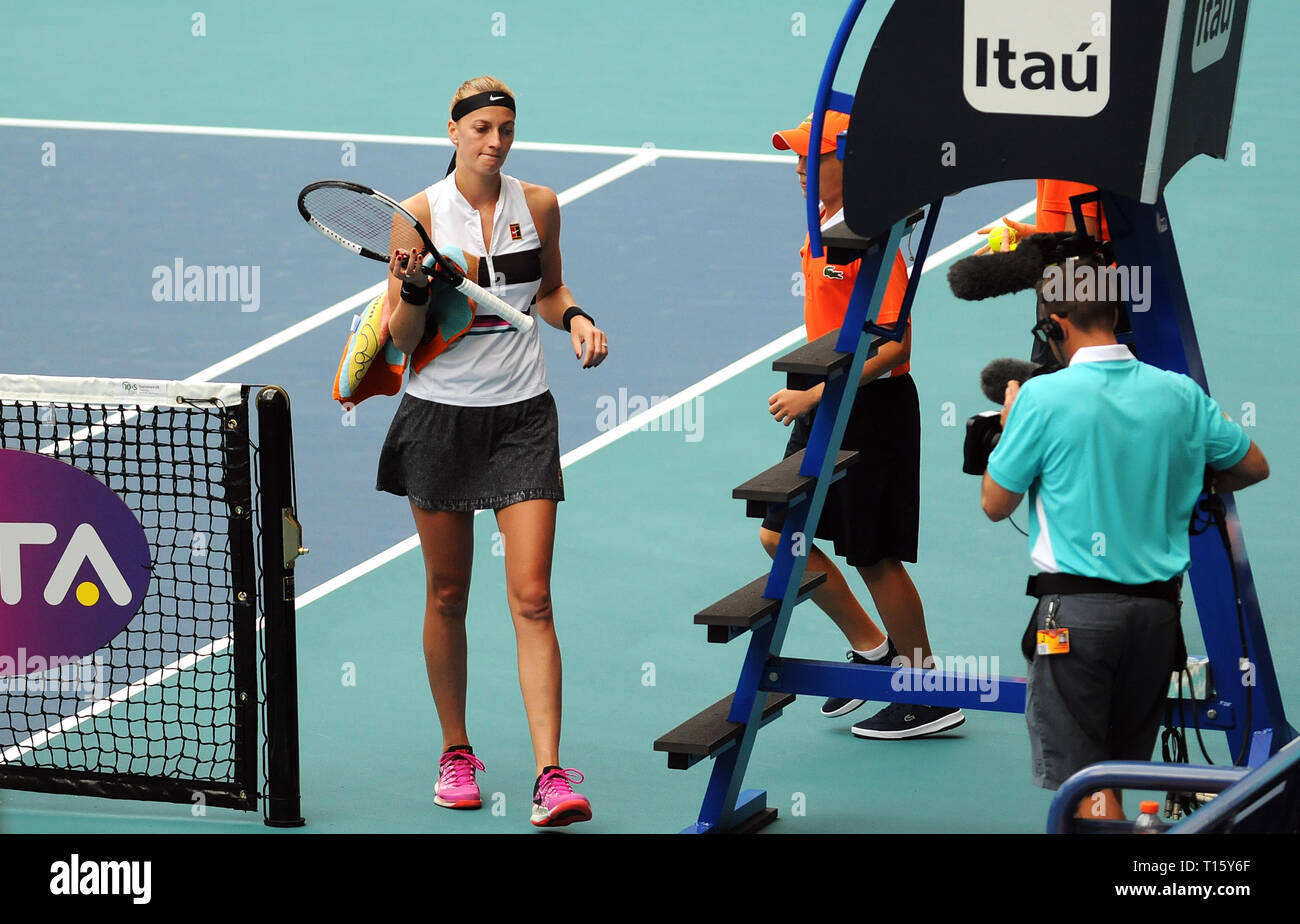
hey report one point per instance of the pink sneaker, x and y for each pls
(555, 804)
(456, 787)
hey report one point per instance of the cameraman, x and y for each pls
(1113, 453)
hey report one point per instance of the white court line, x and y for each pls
(591, 184)
(424, 140)
(641, 159)
(230, 362)
(658, 411)
(120, 695)
(411, 543)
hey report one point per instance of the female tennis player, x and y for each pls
(476, 429)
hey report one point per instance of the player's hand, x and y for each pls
(1022, 231)
(407, 266)
(589, 342)
(1013, 389)
(788, 404)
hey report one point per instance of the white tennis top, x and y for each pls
(492, 364)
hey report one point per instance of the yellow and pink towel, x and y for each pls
(372, 365)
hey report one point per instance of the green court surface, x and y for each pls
(649, 533)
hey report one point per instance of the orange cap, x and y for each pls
(796, 139)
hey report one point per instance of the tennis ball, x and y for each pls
(1003, 238)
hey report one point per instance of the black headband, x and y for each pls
(479, 100)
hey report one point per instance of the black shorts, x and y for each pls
(446, 457)
(873, 512)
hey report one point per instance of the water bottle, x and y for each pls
(1149, 821)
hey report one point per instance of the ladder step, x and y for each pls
(710, 732)
(836, 235)
(782, 483)
(817, 357)
(744, 609)
(820, 357)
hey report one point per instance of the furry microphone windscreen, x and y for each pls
(989, 275)
(996, 375)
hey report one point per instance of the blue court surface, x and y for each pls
(145, 146)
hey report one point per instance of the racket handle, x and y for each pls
(508, 313)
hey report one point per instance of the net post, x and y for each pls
(238, 482)
(281, 545)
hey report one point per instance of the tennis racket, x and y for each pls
(372, 225)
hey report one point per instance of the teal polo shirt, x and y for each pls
(1112, 453)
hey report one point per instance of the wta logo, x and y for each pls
(1028, 57)
(74, 562)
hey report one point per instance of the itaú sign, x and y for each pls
(1036, 58)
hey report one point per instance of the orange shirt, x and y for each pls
(1054, 206)
(826, 295)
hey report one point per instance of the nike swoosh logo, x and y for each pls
(493, 99)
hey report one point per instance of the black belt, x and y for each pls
(1041, 585)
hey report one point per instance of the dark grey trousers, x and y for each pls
(1105, 698)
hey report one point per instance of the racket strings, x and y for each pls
(364, 220)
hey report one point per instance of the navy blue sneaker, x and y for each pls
(837, 705)
(900, 720)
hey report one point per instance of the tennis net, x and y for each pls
(142, 650)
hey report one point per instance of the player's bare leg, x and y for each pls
(528, 531)
(447, 544)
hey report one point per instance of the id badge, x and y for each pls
(1053, 641)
